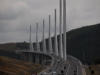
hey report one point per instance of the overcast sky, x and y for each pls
(17, 15)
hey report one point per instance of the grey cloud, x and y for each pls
(83, 12)
(10, 10)
(17, 15)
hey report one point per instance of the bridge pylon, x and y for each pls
(50, 41)
(64, 30)
(60, 29)
(31, 44)
(44, 42)
(56, 40)
(37, 41)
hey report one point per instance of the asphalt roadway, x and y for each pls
(70, 67)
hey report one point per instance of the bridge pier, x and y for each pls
(44, 43)
(34, 58)
(40, 59)
(64, 30)
(30, 57)
(55, 35)
(37, 59)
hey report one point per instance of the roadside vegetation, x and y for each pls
(9, 66)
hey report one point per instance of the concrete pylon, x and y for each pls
(31, 44)
(55, 40)
(37, 42)
(44, 44)
(50, 42)
(60, 29)
(64, 29)
(30, 57)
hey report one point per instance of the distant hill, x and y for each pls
(83, 43)
(8, 47)
(14, 46)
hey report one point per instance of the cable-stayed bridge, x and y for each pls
(55, 58)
